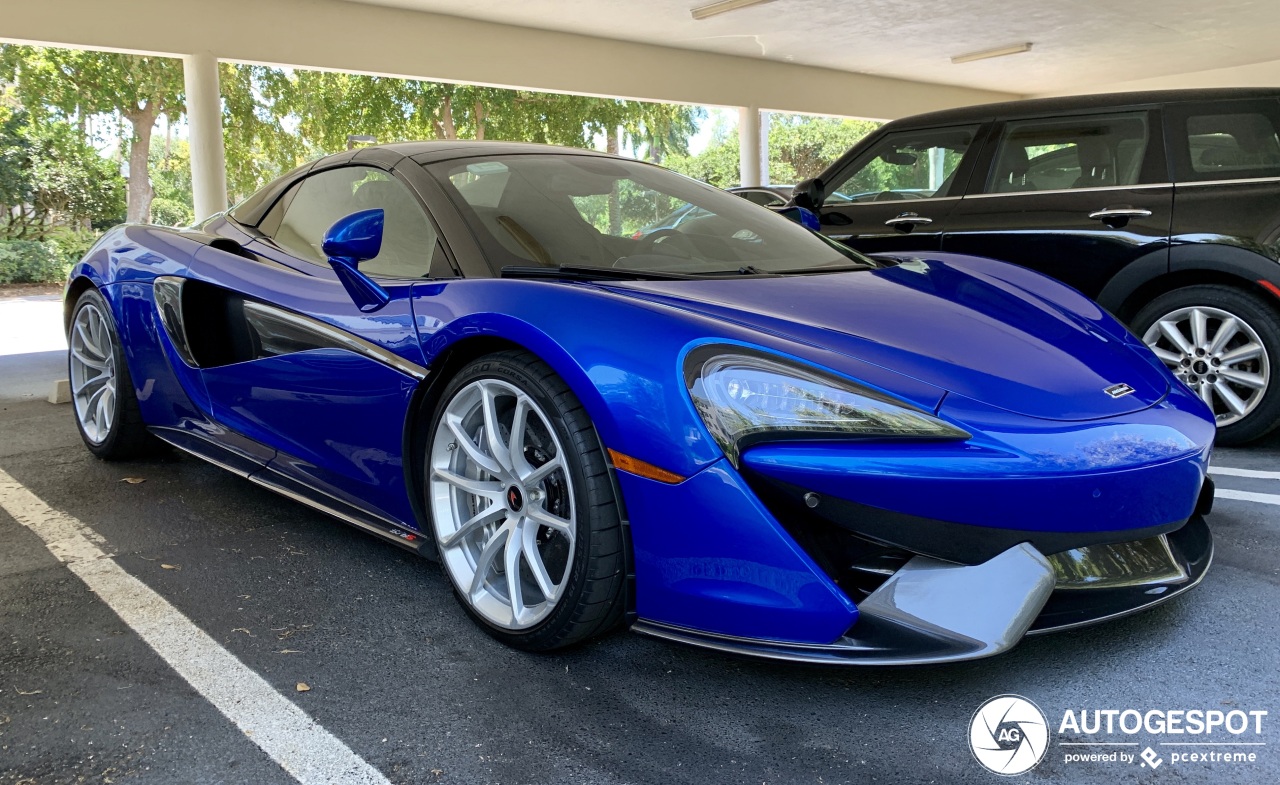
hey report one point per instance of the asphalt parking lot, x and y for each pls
(403, 680)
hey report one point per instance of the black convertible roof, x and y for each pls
(251, 211)
(1075, 103)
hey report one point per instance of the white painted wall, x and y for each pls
(346, 36)
(1255, 75)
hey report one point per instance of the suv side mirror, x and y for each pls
(350, 241)
(808, 194)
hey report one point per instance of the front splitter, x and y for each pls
(934, 612)
(1192, 549)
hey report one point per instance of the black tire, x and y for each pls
(592, 601)
(127, 437)
(1262, 317)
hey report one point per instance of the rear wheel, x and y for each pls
(522, 506)
(102, 393)
(1224, 343)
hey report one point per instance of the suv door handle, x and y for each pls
(1123, 211)
(908, 219)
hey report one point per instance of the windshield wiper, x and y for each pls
(745, 269)
(583, 273)
(838, 268)
(748, 269)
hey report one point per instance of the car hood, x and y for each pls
(989, 331)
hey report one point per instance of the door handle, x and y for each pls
(1123, 211)
(908, 219)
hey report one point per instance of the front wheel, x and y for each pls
(522, 505)
(1224, 343)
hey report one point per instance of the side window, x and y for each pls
(1231, 144)
(905, 165)
(1075, 152)
(410, 247)
(763, 198)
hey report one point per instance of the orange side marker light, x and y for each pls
(642, 469)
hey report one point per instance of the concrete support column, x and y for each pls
(204, 119)
(753, 147)
(765, 119)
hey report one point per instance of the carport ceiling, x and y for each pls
(1078, 44)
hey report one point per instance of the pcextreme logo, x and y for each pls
(1010, 735)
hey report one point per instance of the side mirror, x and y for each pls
(806, 218)
(808, 194)
(350, 241)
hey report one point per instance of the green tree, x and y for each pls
(15, 170)
(51, 178)
(663, 129)
(259, 132)
(806, 145)
(329, 106)
(170, 169)
(800, 147)
(74, 84)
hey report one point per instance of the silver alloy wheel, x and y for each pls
(93, 373)
(1217, 354)
(502, 504)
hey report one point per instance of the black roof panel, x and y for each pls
(1074, 103)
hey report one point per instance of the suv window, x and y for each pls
(298, 222)
(762, 198)
(1227, 146)
(1058, 154)
(905, 165)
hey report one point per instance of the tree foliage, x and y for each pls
(73, 84)
(51, 178)
(275, 119)
(170, 167)
(800, 147)
(260, 145)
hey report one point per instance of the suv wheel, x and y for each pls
(1224, 343)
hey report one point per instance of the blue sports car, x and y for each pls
(735, 434)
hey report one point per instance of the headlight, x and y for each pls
(744, 398)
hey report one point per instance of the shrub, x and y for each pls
(73, 244)
(29, 261)
(170, 212)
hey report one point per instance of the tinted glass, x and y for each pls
(300, 220)
(762, 198)
(552, 210)
(1230, 146)
(1066, 153)
(904, 166)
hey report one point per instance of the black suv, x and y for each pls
(1163, 206)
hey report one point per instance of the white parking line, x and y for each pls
(311, 754)
(1246, 496)
(1254, 473)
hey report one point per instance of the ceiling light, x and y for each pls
(723, 7)
(985, 54)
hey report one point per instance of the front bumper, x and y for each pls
(930, 611)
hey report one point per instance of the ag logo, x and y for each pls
(1009, 735)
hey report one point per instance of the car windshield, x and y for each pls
(565, 210)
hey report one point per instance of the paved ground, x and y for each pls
(405, 680)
